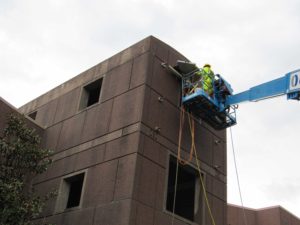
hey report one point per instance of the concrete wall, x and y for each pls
(115, 141)
(7, 109)
(272, 215)
(287, 218)
(235, 215)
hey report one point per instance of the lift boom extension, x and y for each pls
(287, 85)
(218, 109)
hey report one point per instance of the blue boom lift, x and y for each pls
(219, 110)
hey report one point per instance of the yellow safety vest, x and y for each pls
(207, 80)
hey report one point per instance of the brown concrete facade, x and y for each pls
(7, 109)
(272, 215)
(122, 144)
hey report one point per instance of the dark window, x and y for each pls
(33, 115)
(91, 94)
(74, 185)
(186, 193)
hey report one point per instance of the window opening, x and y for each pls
(33, 115)
(74, 185)
(91, 94)
(187, 191)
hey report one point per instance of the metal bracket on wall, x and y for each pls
(160, 99)
(217, 142)
(154, 132)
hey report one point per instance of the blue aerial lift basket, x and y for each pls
(211, 109)
(219, 109)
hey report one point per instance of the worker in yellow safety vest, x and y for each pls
(207, 76)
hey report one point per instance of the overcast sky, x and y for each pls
(43, 43)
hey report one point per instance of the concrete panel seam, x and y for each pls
(67, 211)
(110, 114)
(84, 168)
(131, 128)
(210, 170)
(144, 204)
(116, 96)
(148, 131)
(115, 181)
(177, 106)
(87, 145)
(98, 141)
(94, 215)
(63, 90)
(56, 109)
(151, 160)
(88, 108)
(205, 126)
(131, 69)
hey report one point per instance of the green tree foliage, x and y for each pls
(21, 157)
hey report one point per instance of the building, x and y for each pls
(6, 109)
(275, 215)
(114, 131)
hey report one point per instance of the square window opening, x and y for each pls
(91, 94)
(187, 198)
(33, 115)
(74, 184)
(70, 192)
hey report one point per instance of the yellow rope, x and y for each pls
(192, 150)
(182, 161)
(175, 192)
(192, 130)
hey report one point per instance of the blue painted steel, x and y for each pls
(200, 92)
(209, 108)
(294, 81)
(219, 110)
(226, 83)
(294, 96)
(277, 87)
(262, 91)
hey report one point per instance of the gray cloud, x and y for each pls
(283, 190)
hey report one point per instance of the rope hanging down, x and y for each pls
(181, 123)
(193, 151)
(237, 177)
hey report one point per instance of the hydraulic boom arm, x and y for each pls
(288, 84)
(218, 109)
